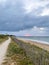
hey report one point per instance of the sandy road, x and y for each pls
(3, 49)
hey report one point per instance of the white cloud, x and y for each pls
(35, 31)
(40, 29)
(2, 1)
(30, 5)
(45, 12)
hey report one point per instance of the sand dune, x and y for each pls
(41, 45)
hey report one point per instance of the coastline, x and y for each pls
(41, 44)
(38, 41)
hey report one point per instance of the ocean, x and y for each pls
(42, 39)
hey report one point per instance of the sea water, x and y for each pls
(42, 39)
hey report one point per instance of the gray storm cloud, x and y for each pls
(13, 16)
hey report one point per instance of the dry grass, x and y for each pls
(3, 38)
(16, 56)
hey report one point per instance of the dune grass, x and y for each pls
(38, 55)
(16, 55)
(3, 38)
(22, 53)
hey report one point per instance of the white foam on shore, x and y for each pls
(38, 41)
(43, 42)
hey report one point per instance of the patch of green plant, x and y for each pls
(16, 55)
(38, 55)
(3, 38)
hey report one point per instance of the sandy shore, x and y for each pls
(41, 45)
(3, 49)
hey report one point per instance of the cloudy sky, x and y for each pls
(24, 17)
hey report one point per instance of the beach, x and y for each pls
(37, 43)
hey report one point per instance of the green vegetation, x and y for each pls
(22, 53)
(3, 38)
(38, 55)
(16, 55)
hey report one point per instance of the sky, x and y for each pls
(24, 17)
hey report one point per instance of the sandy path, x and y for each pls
(3, 49)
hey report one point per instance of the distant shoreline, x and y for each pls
(38, 41)
(42, 45)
